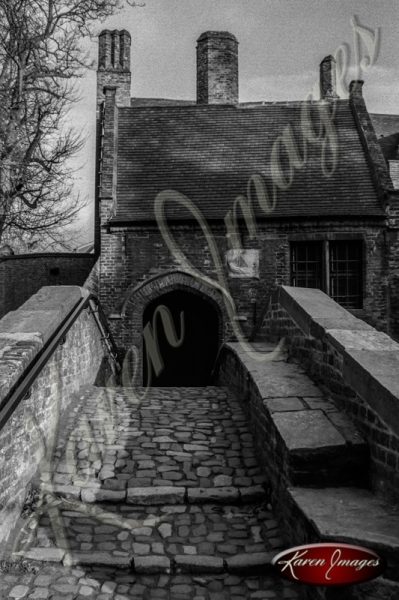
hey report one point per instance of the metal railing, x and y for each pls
(21, 389)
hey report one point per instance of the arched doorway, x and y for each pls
(180, 340)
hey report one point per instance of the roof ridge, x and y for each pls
(241, 105)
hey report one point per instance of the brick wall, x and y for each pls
(23, 275)
(355, 366)
(354, 363)
(131, 256)
(31, 428)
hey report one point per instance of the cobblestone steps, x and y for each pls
(55, 583)
(206, 537)
(153, 494)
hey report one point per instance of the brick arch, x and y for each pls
(137, 297)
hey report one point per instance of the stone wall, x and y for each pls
(353, 362)
(354, 369)
(23, 275)
(132, 256)
(28, 434)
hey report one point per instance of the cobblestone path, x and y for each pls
(152, 495)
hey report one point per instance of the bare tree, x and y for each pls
(40, 61)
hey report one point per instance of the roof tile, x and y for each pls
(208, 153)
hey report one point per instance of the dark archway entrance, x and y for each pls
(176, 356)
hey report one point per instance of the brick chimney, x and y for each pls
(328, 78)
(114, 65)
(217, 68)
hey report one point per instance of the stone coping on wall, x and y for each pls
(25, 331)
(312, 441)
(370, 357)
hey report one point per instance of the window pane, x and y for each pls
(306, 264)
(346, 273)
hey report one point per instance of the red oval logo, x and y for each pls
(329, 564)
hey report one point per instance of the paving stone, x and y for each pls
(67, 491)
(86, 591)
(19, 591)
(109, 587)
(42, 580)
(151, 564)
(65, 588)
(248, 563)
(141, 548)
(252, 494)
(223, 481)
(199, 564)
(165, 530)
(284, 404)
(102, 495)
(45, 554)
(307, 430)
(97, 558)
(222, 495)
(39, 594)
(159, 495)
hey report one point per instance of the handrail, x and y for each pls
(21, 388)
(106, 336)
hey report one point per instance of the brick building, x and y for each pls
(204, 207)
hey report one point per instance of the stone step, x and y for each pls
(159, 495)
(312, 442)
(109, 583)
(119, 534)
(349, 515)
(243, 564)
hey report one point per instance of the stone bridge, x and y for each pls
(112, 491)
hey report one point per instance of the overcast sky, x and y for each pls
(281, 45)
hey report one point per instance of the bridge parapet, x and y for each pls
(321, 392)
(355, 364)
(49, 348)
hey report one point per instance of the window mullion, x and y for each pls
(326, 264)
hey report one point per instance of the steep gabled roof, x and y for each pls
(208, 153)
(387, 132)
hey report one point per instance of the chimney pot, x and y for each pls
(356, 88)
(114, 65)
(328, 78)
(217, 68)
(114, 50)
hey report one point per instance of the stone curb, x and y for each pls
(258, 562)
(249, 563)
(104, 559)
(148, 496)
(151, 565)
(156, 495)
(198, 564)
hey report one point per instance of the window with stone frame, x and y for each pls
(334, 266)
